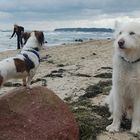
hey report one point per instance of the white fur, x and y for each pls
(8, 68)
(124, 97)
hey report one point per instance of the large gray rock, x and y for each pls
(36, 114)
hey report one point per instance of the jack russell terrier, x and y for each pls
(24, 65)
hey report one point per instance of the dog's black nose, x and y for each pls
(121, 43)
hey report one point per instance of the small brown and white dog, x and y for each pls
(124, 98)
(24, 64)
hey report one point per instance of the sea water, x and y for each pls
(53, 38)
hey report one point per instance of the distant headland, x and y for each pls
(83, 30)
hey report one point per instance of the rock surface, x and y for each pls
(35, 114)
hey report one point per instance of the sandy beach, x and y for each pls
(80, 74)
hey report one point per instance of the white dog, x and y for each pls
(124, 98)
(25, 64)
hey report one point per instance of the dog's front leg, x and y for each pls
(117, 111)
(136, 116)
(30, 77)
(24, 81)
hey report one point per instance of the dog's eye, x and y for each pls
(131, 33)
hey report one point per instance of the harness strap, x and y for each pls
(28, 61)
(35, 52)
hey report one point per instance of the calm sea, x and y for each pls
(53, 38)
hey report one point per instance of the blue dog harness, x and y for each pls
(35, 52)
(28, 61)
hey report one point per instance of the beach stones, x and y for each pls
(36, 114)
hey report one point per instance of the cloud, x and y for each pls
(67, 12)
(5, 16)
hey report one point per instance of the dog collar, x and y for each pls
(130, 62)
(35, 52)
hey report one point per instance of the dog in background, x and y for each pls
(25, 64)
(124, 97)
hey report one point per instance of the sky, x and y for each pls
(51, 14)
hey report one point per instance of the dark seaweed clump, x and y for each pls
(101, 87)
(104, 75)
(92, 120)
(10, 84)
(56, 73)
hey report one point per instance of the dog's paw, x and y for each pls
(135, 130)
(112, 128)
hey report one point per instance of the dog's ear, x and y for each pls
(40, 37)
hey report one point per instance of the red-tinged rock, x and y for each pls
(35, 114)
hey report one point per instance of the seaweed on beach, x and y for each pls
(80, 75)
(92, 120)
(56, 73)
(10, 84)
(35, 81)
(126, 124)
(104, 75)
(60, 65)
(105, 68)
(101, 87)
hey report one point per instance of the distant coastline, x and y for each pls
(84, 30)
(55, 38)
